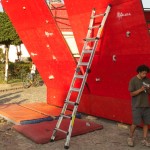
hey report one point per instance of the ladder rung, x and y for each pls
(70, 102)
(61, 130)
(87, 51)
(83, 64)
(90, 39)
(99, 15)
(79, 76)
(75, 89)
(94, 27)
(65, 116)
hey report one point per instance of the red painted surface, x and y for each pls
(109, 97)
(44, 108)
(147, 15)
(16, 113)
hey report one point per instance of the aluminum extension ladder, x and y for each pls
(78, 76)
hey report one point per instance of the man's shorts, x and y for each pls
(141, 114)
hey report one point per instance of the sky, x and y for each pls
(146, 4)
(1, 8)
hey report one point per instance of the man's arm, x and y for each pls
(148, 88)
(135, 93)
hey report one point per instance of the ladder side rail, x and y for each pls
(91, 56)
(59, 122)
(71, 126)
(69, 93)
(73, 79)
(78, 76)
(103, 21)
(90, 23)
(85, 77)
(93, 53)
(81, 56)
(55, 129)
(82, 85)
(77, 102)
(78, 98)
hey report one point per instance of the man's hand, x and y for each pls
(135, 93)
(143, 88)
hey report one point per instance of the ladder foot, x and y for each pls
(51, 140)
(66, 147)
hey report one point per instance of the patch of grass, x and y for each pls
(2, 82)
(14, 81)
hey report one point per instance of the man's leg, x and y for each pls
(31, 76)
(136, 113)
(146, 119)
(145, 131)
(145, 141)
(132, 129)
(130, 140)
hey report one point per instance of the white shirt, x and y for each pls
(33, 69)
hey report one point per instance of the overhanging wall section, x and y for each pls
(36, 27)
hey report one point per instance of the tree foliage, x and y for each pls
(8, 35)
(2, 55)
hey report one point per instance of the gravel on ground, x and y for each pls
(112, 137)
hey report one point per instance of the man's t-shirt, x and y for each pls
(140, 100)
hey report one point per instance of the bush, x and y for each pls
(2, 72)
(19, 69)
(16, 71)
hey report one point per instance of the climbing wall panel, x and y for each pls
(124, 45)
(37, 28)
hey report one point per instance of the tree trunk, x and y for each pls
(6, 63)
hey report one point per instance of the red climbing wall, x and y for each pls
(107, 93)
(108, 80)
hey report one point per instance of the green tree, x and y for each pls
(8, 36)
(2, 55)
(8, 33)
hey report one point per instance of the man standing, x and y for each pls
(33, 70)
(139, 90)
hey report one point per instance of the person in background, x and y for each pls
(33, 70)
(139, 88)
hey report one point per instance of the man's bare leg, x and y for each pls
(130, 139)
(145, 142)
(145, 131)
(132, 130)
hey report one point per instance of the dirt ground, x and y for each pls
(112, 137)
